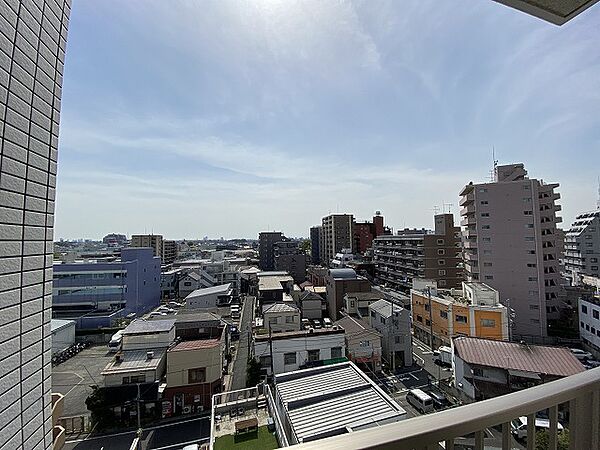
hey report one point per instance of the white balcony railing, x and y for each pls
(434, 431)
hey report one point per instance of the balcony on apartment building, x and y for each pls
(580, 393)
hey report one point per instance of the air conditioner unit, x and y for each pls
(187, 409)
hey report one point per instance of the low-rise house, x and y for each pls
(191, 325)
(311, 305)
(357, 303)
(209, 297)
(280, 317)
(328, 401)
(393, 322)
(485, 368)
(194, 374)
(363, 343)
(169, 283)
(294, 350)
(148, 334)
(188, 284)
(272, 286)
(135, 367)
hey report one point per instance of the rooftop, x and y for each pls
(371, 295)
(353, 325)
(342, 274)
(141, 326)
(555, 361)
(192, 315)
(57, 324)
(332, 400)
(195, 345)
(223, 289)
(385, 308)
(299, 334)
(137, 360)
(280, 308)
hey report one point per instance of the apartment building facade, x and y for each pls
(266, 248)
(169, 252)
(510, 243)
(366, 232)
(315, 244)
(413, 254)
(338, 233)
(440, 315)
(289, 258)
(582, 247)
(154, 241)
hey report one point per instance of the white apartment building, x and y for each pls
(299, 349)
(510, 243)
(589, 317)
(582, 247)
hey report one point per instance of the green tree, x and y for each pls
(252, 372)
(102, 416)
(306, 246)
(542, 440)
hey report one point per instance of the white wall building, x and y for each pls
(209, 297)
(589, 318)
(582, 247)
(148, 334)
(393, 322)
(280, 317)
(298, 349)
(63, 334)
(135, 366)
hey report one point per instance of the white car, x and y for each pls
(581, 355)
(157, 314)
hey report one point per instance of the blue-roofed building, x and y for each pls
(97, 293)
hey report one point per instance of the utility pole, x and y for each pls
(139, 418)
(430, 319)
(271, 350)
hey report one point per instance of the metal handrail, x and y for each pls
(423, 431)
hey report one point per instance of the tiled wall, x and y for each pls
(32, 49)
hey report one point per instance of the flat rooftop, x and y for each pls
(222, 289)
(332, 400)
(141, 326)
(299, 334)
(134, 360)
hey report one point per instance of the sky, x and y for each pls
(225, 118)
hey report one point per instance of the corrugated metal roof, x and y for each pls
(556, 361)
(195, 345)
(220, 289)
(135, 360)
(332, 400)
(384, 307)
(345, 274)
(149, 326)
(280, 308)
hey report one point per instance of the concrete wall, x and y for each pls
(179, 362)
(63, 338)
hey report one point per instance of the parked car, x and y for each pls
(581, 355)
(327, 322)
(519, 426)
(317, 324)
(305, 324)
(439, 400)
(157, 314)
(174, 305)
(420, 400)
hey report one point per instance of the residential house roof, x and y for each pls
(353, 326)
(557, 361)
(346, 274)
(141, 326)
(280, 308)
(371, 295)
(385, 308)
(134, 360)
(223, 289)
(195, 345)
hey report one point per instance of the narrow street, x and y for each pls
(240, 363)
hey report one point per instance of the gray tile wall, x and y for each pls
(33, 37)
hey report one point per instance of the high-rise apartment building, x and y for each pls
(32, 51)
(266, 248)
(290, 258)
(366, 232)
(315, 244)
(169, 252)
(338, 233)
(154, 241)
(582, 247)
(509, 240)
(420, 253)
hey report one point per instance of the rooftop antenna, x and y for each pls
(494, 165)
(448, 206)
(436, 209)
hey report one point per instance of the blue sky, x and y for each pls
(225, 118)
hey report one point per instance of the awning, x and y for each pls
(523, 374)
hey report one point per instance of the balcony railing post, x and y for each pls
(595, 420)
(553, 441)
(531, 431)
(479, 440)
(506, 441)
(580, 422)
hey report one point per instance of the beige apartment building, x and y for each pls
(510, 243)
(337, 233)
(154, 241)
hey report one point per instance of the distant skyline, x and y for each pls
(227, 118)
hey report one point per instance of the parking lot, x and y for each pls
(74, 377)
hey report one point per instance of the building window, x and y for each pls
(528, 225)
(582, 324)
(444, 314)
(485, 214)
(197, 375)
(482, 190)
(265, 362)
(289, 358)
(488, 323)
(441, 262)
(587, 327)
(485, 227)
(487, 252)
(528, 213)
(596, 314)
(290, 319)
(487, 264)
(187, 283)
(487, 239)
(442, 272)
(440, 242)
(419, 319)
(584, 309)
(441, 251)
(489, 277)
(535, 320)
(461, 319)
(314, 355)
(531, 265)
(534, 307)
(441, 283)
(484, 202)
(272, 320)
(477, 372)
(532, 278)
(336, 352)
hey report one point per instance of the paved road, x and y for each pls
(424, 357)
(163, 437)
(241, 359)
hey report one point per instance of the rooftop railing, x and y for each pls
(439, 430)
